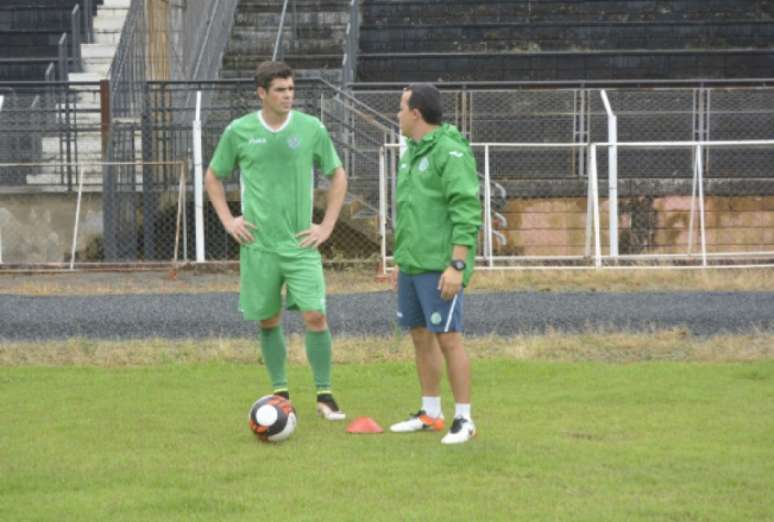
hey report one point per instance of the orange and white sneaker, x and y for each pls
(462, 430)
(419, 421)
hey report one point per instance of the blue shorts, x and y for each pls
(420, 304)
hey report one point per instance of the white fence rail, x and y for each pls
(738, 236)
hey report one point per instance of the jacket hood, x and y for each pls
(431, 138)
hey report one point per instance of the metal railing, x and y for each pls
(279, 48)
(351, 46)
(76, 39)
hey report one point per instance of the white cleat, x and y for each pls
(329, 410)
(419, 421)
(462, 430)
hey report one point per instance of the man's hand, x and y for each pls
(239, 229)
(393, 278)
(450, 283)
(314, 236)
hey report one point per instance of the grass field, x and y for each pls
(592, 426)
(573, 441)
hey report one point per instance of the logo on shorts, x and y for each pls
(294, 142)
(423, 164)
(436, 318)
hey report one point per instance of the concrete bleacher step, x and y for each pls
(109, 22)
(84, 77)
(91, 176)
(97, 51)
(107, 37)
(97, 58)
(87, 144)
(116, 4)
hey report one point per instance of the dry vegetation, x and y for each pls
(226, 279)
(593, 346)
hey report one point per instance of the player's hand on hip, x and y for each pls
(239, 229)
(450, 283)
(314, 236)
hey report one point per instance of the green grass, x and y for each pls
(558, 441)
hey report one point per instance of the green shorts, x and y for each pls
(262, 275)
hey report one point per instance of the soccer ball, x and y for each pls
(272, 418)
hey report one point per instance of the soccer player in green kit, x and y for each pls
(275, 150)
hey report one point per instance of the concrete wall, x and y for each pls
(38, 228)
(557, 226)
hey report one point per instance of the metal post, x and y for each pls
(487, 209)
(278, 42)
(77, 218)
(702, 231)
(88, 21)
(75, 41)
(295, 27)
(62, 69)
(383, 208)
(2, 99)
(694, 188)
(589, 205)
(198, 181)
(149, 196)
(612, 179)
(595, 202)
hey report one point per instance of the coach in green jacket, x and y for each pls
(438, 218)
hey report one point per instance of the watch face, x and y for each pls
(458, 264)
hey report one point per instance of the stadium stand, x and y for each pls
(30, 33)
(316, 49)
(565, 40)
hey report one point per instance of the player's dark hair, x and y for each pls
(427, 100)
(268, 71)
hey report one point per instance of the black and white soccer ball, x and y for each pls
(272, 418)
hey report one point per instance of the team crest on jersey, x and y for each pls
(294, 142)
(423, 164)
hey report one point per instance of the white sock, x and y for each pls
(462, 410)
(432, 406)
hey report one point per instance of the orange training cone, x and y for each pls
(364, 425)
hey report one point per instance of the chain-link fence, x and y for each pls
(62, 123)
(67, 228)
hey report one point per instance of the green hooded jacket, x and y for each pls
(437, 203)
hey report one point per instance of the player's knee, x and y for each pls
(315, 321)
(450, 342)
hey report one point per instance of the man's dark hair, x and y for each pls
(268, 71)
(427, 100)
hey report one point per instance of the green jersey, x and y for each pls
(277, 174)
(438, 205)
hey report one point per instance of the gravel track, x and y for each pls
(24, 318)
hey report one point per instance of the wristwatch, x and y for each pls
(458, 264)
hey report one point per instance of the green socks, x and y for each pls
(318, 351)
(274, 356)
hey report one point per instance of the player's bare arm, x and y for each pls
(318, 234)
(237, 227)
(451, 280)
